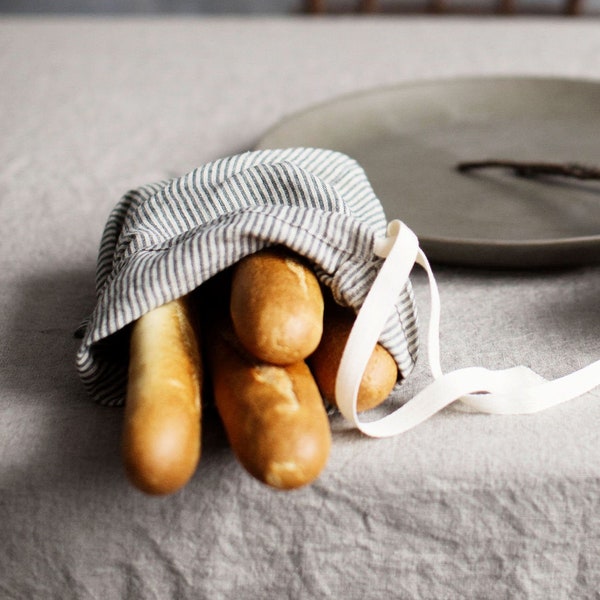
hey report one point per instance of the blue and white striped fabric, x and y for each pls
(163, 240)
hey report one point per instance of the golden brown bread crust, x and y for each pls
(274, 416)
(276, 306)
(381, 372)
(161, 432)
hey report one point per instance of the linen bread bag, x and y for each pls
(164, 240)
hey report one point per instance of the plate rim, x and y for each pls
(356, 94)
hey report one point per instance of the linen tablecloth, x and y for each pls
(463, 506)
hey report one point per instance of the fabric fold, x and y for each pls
(163, 240)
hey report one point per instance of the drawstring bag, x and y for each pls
(164, 240)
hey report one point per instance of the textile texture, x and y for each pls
(162, 241)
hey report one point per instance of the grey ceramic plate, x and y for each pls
(409, 139)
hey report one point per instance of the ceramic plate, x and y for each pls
(409, 139)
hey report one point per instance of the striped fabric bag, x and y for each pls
(163, 240)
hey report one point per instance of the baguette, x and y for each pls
(274, 416)
(380, 374)
(161, 433)
(276, 306)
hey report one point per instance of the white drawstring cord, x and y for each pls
(517, 390)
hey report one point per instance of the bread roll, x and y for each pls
(274, 416)
(276, 306)
(380, 375)
(161, 434)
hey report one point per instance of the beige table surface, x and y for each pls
(464, 506)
